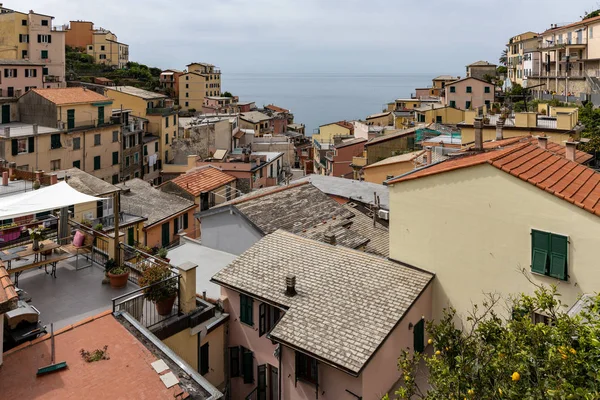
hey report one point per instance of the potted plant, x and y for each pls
(158, 288)
(36, 234)
(117, 275)
(98, 227)
(162, 253)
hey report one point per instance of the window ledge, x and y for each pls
(548, 276)
(247, 324)
(307, 381)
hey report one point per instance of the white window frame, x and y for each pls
(26, 147)
(107, 206)
(180, 223)
(45, 39)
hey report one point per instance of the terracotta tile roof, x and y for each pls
(583, 22)
(343, 124)
(8, 295)
(327, 280)
(568, 180)
(126, 374)
(390, 136)
(76, 95)
(203, 179)
(273, 107)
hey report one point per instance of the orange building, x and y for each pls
(79, 34)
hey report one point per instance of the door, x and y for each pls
(261, 393)
(5, 113)
(130, 237)
(165, 234)
(419, 336)
(273, 383)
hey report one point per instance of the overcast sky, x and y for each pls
(314, 35)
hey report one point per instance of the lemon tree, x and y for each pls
(510, 358)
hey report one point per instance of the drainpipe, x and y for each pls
(280, 372)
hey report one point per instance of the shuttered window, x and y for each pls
(247, 365)
(55, 141)
(234, 362)
(185, 221)
(306, 368)
(96, 163)
(549, 254)
(115, 157)
(246, 304)
(268, 316)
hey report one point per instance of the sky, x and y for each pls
(314, 36)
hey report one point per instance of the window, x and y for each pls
(55, 165)
(487, 89)
(102, 56)
(452, 103)
(90, 47)
(156, 146)
(55, 141)
(11, 91)
(234, 362)
(246, 308)
(136, 174)
(70, 119)
(167, 138)
(591, 29)
(102, 48)
(10, 72)
(127, 161)
(24, 54)
(469, 89)
(44, 39)
(115, 179)
(96, 163)
(467, 105)
(267, 318)
(187, 85)
(97, 139)
(174, 120)
(101, 115)
(306, 368)
(45, 71)
(44, 54)
(187, 78)
(203, 359)
(30, 73)
(23, 38)
(452, 89)
(186, 95)
(22, 146)
(77, 164)
(487, 103)
(115, 136)
(24, 22)
(438, 119)
(166, 122)
(115, 157)
(549, 254)
(76, 143)
(260, 173)
(187, 104)
(44, 22)
(136, 158)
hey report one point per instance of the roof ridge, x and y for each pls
(258, 196)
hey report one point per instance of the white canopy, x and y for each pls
(46, 199)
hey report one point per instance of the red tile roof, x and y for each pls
(582, 22)
(203, 179)
(8, 295)
(273, 107)
(545, 169)
(127, 374)
(76, 95)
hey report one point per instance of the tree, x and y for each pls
(590, 118)
(503, 57)
(227, 94)
(511, 358)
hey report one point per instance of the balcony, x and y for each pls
(574, 73)
(576, 42)
(52, 79)
(82, 125)
(125, 219)
(160, 111)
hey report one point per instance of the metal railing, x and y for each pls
(88, 124)
(160, 111)
(16, 233)
(253, 395)
(144, 310)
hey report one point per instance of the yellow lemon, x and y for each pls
(430, 341)
(573, 351)
(437, 353)
(564, 356)
(470, 392)
(516, 376)
(500, 391)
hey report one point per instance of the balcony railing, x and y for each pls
(574, 73)
(562, 44)
(80, 125)
(160, 111)
(52, 79)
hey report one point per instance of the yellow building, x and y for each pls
(32, 37)
(439, 114)
(73, 129)
(561, 127)
(260, 123)
(491, 222)
(328, 131)
(391, 167)
(410, 104)
(106, 49)
(441, 81)
(381, 119)
(199, 81)
(516, 48)
(156, 108)
(404, 119)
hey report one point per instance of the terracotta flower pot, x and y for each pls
(165, 306)
(118, 281)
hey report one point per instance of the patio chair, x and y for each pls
(81, 244)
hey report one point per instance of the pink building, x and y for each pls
(469, 93)
(314, 320)
(18, 76)
(339, 160)
(169, 79)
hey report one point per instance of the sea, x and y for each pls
(319, 98)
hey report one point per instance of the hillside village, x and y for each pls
(162, 238)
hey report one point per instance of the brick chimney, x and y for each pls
(478, 126)
(187, 287)
(570, 150)
(329, 237)
(290, 285)
(53, 179)
(542, 142)
(500, 129)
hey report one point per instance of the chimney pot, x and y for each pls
(428, 155)
(5, 178)
(329, 237)
(570, 150)
(542, 142)
(290, 285)
(500, 129)
(478, 126)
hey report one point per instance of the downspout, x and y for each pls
(280, 372)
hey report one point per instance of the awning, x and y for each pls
(46, 199)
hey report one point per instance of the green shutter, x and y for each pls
(559, 249)
(31, 144)
(185, 221)
(246, 304)
(540, 249)
(115, 157)
(419, 336)
(175, 226)
(15, 147)
(101, 115)
(234, 362)
(165, 234)
(96, 162)
(70, 119)
(248, 366)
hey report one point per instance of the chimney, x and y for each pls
(478, 125)
(53, 179)
(428, 155)
(38, 175)
(500, 129)
(570, 150)
(290, 285)
(187, 287)
(543, 142)
(329, 237)
(5, 178)
(11, 168)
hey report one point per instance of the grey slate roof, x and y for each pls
(142, 199)
(344, 235)
(378, 235)
(292, 208)
(350, 189)
(327, 318)
(86, 183)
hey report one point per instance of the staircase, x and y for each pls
(593, 82)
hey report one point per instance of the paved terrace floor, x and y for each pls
(72, 296)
